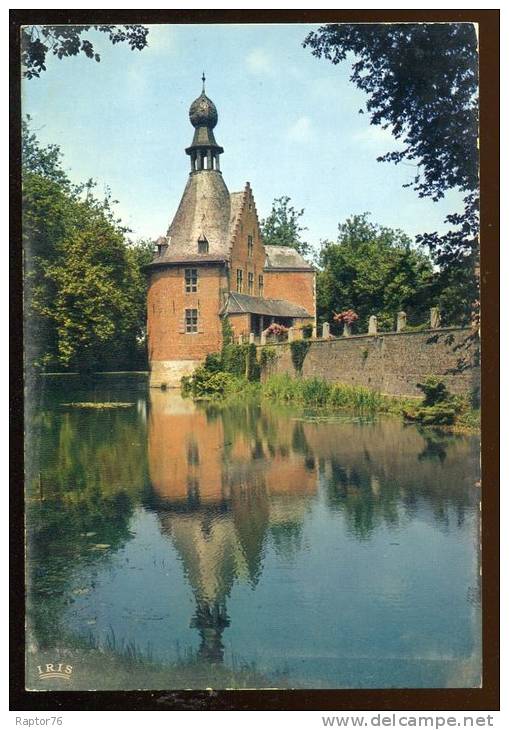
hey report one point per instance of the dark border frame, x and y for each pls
(485, 698)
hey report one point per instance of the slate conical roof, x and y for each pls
(204, 211)
(203, 215)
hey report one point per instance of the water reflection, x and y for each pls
(341, 549)
(223, 480)
(86, 472)
(228, 483)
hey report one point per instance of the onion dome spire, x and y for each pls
(204, 150)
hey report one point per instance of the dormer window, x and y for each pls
(203, 245)
(162, 245)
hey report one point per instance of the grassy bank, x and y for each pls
(438, 408)
(452, 413)
(128, 669)
(333, 396)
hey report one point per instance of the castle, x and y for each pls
(212, 264)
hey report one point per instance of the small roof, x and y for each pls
(244, 303)
(285, 257)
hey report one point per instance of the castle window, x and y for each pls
(250, 282)
(191, 277)
(191, 320)
(260, 285)
(203, 245)
(240, 278)
(250, 245)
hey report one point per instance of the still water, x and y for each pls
(320, 552)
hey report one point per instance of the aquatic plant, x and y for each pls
(319, 392)
(98, 406)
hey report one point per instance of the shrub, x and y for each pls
(213, 362)
(276, 329)
(347, 317)
(441, 414)
(206, 384)
(299, 350)
(439, 407)
(435, 391)
(268, 355)
(252, 365)
(307, 331)
(240, 360)
(234, 359)
(227, 331)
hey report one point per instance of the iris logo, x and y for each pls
(54, 671)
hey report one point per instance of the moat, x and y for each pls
(320, 551)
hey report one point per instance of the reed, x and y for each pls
(318, 392)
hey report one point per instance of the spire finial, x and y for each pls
(203, 83)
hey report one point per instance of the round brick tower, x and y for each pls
(188, 276)
(212, 264)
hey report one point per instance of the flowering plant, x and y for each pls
(348, 316)
(276, 329)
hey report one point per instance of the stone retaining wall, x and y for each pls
(392, 362)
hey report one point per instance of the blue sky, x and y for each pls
(288, 122)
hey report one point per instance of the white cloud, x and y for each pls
(300, 131)
(259, 61)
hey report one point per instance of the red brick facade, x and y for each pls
(167, 303)
(213, 249)
(185, 299)
(294, 286)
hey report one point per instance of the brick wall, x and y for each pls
(166, 304)
(392, 362)
(297, 287)
(240, 324)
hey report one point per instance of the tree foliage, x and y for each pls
(85, 289)
(282, 226)
(373, 270)
(421, 82)
(67, 40)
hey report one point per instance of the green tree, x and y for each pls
(67, 40)
(421, 81)
(84, 285)
(282, 227)
(373, 270)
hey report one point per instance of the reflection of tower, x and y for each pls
(208, 546)
(211, 621)
(224, 483)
